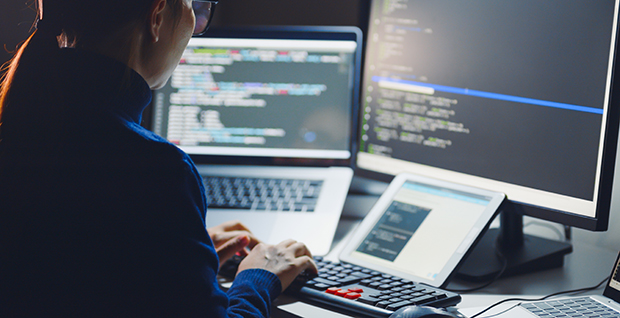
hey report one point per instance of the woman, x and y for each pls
(100, 217)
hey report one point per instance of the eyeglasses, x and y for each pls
(203, 10)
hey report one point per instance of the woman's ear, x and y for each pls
(155, 19)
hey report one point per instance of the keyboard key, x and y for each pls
(422, 299)
(327, 282)
(349, 280)
(319, 286)
(368, 300)
(439, 295)
(352, 296)
(332, 290)
(360, 275)
(383, 303)
(396, 306)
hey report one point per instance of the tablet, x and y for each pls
(421, 228)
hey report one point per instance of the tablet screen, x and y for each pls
(422, 228)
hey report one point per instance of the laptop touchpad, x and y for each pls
(260, 226)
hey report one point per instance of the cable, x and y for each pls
(503, 311)
(542, 298)
(568, 233)
(504, 261)
(561, 235)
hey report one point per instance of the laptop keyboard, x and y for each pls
(262, 194)
(354, 289)
(571, 307)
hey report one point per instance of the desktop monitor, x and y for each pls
(512, 96)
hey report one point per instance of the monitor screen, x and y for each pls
(262, 93)
(510, 96)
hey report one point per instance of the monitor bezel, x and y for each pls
(600, 221)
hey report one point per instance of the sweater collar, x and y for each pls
(107, 82)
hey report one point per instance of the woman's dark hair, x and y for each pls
(73, 23)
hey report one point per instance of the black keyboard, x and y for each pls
(353, 289)
(289, 195)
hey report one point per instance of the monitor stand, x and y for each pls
(524, 253)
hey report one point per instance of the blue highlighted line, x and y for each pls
(471, 92)
(409, 28)
(445, 194)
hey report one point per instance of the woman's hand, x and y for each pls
(286, 260)
(230, 238)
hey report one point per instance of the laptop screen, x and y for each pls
(614, 282)
(286, 96)
(612, 290)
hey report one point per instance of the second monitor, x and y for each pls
(517, 97)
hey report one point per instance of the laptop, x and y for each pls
(267, 114)
(606, 305)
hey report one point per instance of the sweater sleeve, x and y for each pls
(252, 293)
(253, 290)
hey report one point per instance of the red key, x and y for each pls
(356, 290)
(332, 290)
(341, 293)
(352, 296)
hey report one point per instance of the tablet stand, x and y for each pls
(523, 253)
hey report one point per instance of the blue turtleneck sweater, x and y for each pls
(98, 216)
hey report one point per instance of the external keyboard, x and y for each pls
(353, 289)
(262, 194)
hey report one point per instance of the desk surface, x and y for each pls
(586, 266)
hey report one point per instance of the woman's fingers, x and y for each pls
(306, 263)
(233, 246)
(234, 225)
(286, 243)
(286, 260)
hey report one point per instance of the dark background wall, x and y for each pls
(17, 16)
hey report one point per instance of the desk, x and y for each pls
(585, 266)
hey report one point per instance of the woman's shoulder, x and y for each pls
(139, 140)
